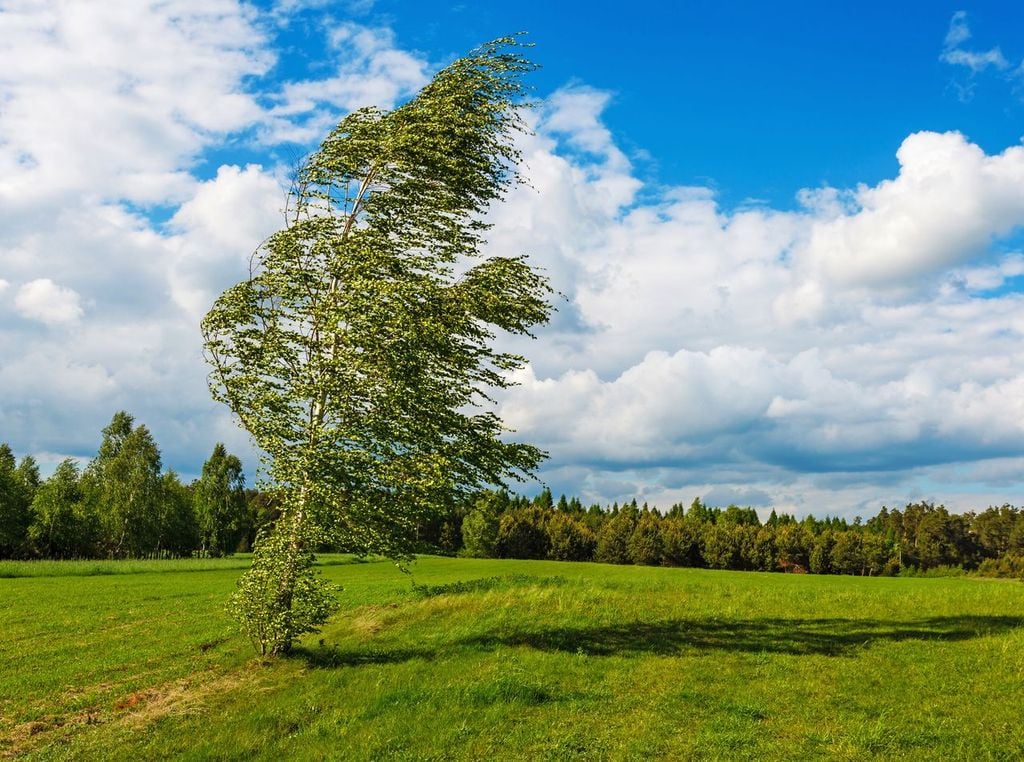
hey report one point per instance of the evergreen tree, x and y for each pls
(645, 544)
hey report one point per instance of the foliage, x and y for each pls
(523, 534)
(58, 528)
(358, 352)
(122, 506)
(17, 490)
(613, 539)
(480, 526)
(281, 597)
(569, 538)
(220, 505)
(645, 543)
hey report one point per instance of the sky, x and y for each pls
(788, 237)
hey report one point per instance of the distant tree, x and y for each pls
(570, 539)
(60, 528)
(821, 552)
(719, 547)
(733, 514)
(177, 528)
(545, 500)
(522, 534)
(18, 484)
(480, 526)
(792, 545)
(218, 497)
(993, 527)
(935, 541)
(848, 553)
(613, 538)
(681, 542)
(645, 544)
(123, 485)
(765, 551)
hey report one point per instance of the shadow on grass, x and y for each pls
(828, 637)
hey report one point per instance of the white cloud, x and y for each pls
(857, 350)
(702, 348)
(114, 99)
(45, 301)
(217, 231)
(976, 61)
(371, 71)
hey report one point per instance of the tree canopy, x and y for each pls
(359, 353)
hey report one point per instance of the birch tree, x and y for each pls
(359, 352)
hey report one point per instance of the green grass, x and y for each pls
(517, 660)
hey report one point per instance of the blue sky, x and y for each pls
(788, 235)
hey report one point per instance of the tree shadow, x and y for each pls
(829, 637)
(796, 637)
(332, 656)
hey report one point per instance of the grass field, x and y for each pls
(514, 660)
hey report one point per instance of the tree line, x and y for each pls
(123, 504)
(921, 538)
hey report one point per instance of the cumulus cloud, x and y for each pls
(714, 349)
(45, 301)
(862, 348)
(114, 99)
(949, 201)
(109, 113)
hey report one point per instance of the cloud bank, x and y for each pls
(864, 348)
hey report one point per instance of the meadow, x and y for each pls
(475, 659)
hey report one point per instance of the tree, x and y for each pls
(59, 529)
(645, 543)
(358, 352)
(123, 486)
(613, 539)
(570, 539)
(219, 502)
(17, 488)
(719, 547)
(681, 541)
(480, 526)
(523, 534)
(177, 529)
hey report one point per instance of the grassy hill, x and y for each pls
(513, 660)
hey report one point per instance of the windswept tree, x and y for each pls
(358, 354)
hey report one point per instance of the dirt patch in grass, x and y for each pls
(135, 710)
